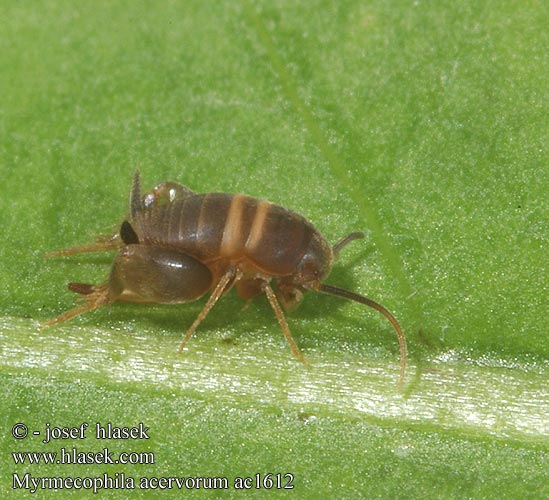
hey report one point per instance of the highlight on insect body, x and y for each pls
(175, 246)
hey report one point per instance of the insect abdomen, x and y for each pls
(230, 226)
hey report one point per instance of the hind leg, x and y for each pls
(143, 274)
(93, 298)
(103, 243)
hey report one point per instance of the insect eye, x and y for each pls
(308, 269)
(128, 235)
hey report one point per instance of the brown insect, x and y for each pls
(175, 245)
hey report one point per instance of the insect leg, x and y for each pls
(283, 324)
(103, 243)
(94, 297)
(229, 277)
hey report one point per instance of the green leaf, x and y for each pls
(424, 125)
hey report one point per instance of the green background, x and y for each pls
(422, 123)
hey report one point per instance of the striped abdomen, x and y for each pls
(235, 227)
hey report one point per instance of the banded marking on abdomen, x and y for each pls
(231, 227)
(255, 235)
(278, 238)
(238, 226)
(212, 220)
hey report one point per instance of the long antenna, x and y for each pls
(340, 292)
